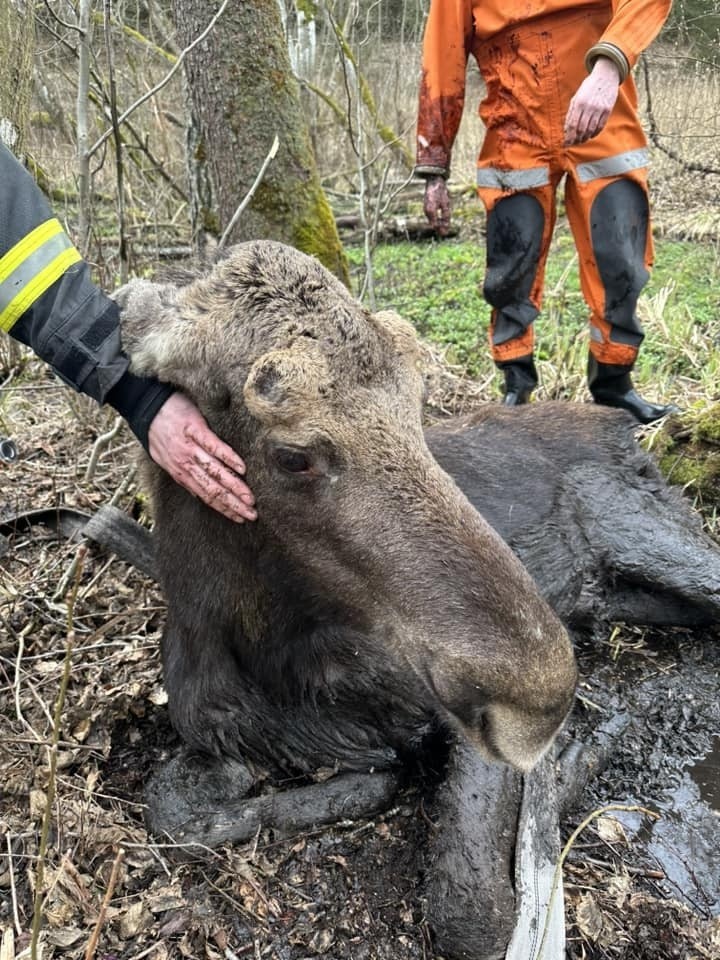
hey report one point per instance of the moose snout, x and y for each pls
(510, 709)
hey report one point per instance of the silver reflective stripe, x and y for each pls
(497, 179)
(31, 267)
(596, 334)
(613, 166)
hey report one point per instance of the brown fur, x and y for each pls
(369, 597)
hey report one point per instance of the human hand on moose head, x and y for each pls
(437, 204)
(592, 105)
(181, 442)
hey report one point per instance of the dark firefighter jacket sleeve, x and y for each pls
(48, 301)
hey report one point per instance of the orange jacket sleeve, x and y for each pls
(446, 47)
(633, 27)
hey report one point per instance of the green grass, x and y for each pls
(437, 286)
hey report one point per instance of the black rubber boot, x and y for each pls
(520, 380)
(611, 386)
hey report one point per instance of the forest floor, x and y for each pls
(352, 891)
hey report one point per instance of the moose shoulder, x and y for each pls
(370, 600)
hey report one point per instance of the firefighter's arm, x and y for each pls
(48, 301)
(633, 27)
(446, 47)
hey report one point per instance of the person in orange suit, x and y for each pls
(560, 102)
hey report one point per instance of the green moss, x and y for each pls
(699, 474)
(308, 7)
(315, 234)
(706, 427)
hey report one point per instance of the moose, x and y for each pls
(398, 583)
(370, 599)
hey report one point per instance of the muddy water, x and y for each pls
(668, 760)
(706, 774)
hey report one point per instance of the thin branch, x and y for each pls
(102, 441)
(655, 134)
(112, 882)
(56, 18)
(13, 891)
(119, 169)
(52, 759)
(166, 79)
(83, 154)
(249, 195)
(568, 847)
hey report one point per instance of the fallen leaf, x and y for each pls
(134, 920)
(589, 918)
(610, 830)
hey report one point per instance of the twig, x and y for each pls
(654, 133)
(81, 119)
(53, 751)
(16, 686)
(13, 891)
(568, 847)
(166, 79)
(249, 195)
(119, 169)
(123, 487)
(102, 441)
(112, 882)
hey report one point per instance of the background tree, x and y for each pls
(16, 71)
(241, 95)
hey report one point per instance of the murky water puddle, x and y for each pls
(706, 774)
(684, 843)
(669, 762)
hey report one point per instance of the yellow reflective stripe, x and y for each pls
(29, 244)
(34, 290)
(31, 267)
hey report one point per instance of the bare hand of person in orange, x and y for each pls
(592, 105)
(437, 204)
(181, 442)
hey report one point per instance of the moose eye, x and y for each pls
(294, 461)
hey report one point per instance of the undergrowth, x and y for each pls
(437, 285)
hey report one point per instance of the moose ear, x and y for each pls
(162, 338)
(151, 334)
(401, 332)
(283, 384)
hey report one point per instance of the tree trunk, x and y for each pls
(241, 94)
(16, 70)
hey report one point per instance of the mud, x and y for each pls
(666, 760)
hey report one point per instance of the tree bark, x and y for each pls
(241, 93)
(16, 70)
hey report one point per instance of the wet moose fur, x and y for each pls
(370, 600)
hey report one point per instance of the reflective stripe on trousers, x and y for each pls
(531, 73)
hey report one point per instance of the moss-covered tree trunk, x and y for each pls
(241, 94)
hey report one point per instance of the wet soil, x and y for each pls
(667, 684)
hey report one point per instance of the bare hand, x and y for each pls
(181, 442)
(437, 204)
(592, 105)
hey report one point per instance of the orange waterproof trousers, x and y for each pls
(531, 72)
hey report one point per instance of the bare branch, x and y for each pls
(249, 195)
(164, 82)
